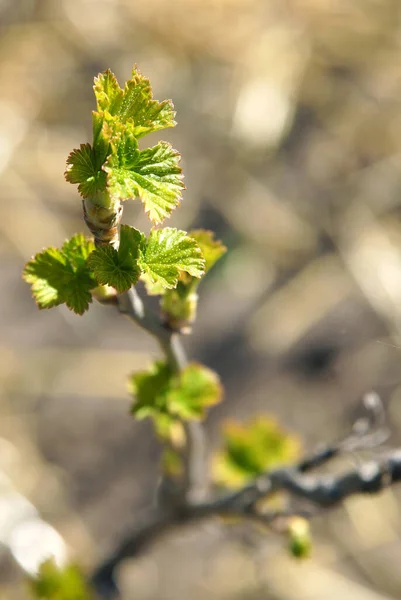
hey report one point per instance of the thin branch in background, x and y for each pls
(321, 491)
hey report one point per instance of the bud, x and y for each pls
(300, 542)
(179, 312)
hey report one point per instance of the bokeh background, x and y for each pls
(289, 122)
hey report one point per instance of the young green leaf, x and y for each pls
(153, 175)
(179, 312)
(82, 168)
(138, 104)
(193, 391)
(102, 134)
(252, 449)
(212, 249)
(118, 268)
(62, 276)
(107, 92)
(135, 105)
(149, 389)
(77, 250)
(162, 395)
(168, 253)
(179, 305)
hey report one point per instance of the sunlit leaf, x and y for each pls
(193, 391)
(159, 393)
(62, 276)
(211, 249)
(149, 389)
(82, 168)
(168, 253)
(108, 93)
(153, 175)
(118, 268)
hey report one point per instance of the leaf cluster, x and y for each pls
(68, 275)
(251, 449)
(113, 168)
(168, 397)
(179, 304)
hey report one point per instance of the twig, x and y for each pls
(323, 491)
(131, 305)
(152, 524)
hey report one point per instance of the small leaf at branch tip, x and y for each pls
(135, 104)
(107, 91)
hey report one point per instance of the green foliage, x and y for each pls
(150, 389)
(252, 449)
(179, 305)
(167, 397)
(68, 275)
(153, 175)
(53, 583)
(118, 268)
(113, 168)
(162, 257)
(108, 93)
(212, 249)
(179, 309)
(168, 253)
(62, 276)
(82, 169)
(135, 105)
(193, 391)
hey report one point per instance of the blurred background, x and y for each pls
(289, 122)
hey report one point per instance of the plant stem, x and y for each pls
(195, 479)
